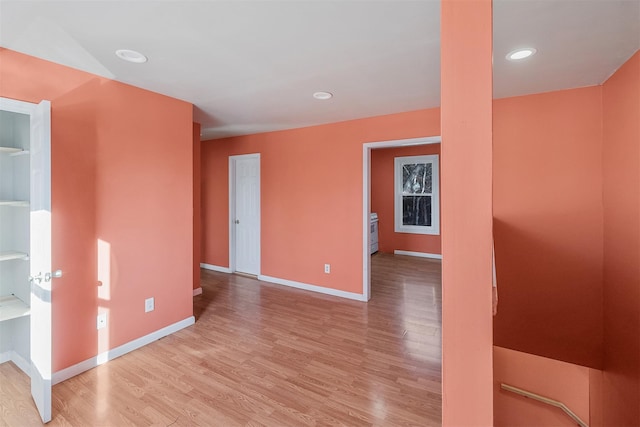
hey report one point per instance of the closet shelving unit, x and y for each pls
(14, 222)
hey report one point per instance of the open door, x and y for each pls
(40, 259)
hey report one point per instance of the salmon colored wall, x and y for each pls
(565, 382)
(197, 205)
(382, 201)
(621, 160)
(122, 174)
(547, 204)
(466, 84)
(311, 196)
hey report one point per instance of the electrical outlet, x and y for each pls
(149, 305)
(101, 321)
(327, 268)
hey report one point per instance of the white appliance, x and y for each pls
(373, 238)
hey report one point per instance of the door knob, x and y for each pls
(237, 221)
(47, 276)
(54, 275)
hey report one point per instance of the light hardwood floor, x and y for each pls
(262, 354)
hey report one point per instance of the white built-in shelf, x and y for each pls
(13, 151)
(19, 153)
(17, 203)
(9, 255)
(12, 307)
(10, 150)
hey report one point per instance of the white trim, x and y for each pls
(424, 140)
(19, 361)
(366, 221)
(418, 254)
(106, 356)
(197, 291)
(15, 106)
(232, 214)
(215, 268)
(366, 199)
(312, 288)
(232, 209)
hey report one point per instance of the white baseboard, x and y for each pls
(197, 291)
(106, 356)
(19, 361)
(293, 284)
(215, 268)
(313, 288)
(418, 254)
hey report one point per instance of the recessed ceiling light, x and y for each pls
(131, 56)
(519, 54)
(322, 95)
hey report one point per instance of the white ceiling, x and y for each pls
(252, 66)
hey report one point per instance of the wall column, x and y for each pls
(466, 119)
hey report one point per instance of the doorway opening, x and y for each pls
(366, 198)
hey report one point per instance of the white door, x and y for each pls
(245, 209)
(40, 259)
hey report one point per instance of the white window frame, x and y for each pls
(399, 162)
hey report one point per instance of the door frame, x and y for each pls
(232, 210)
(366, 198)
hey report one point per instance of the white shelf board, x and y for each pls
(11, 150)
(19, 153)
(20, 203)
(12, 308)
(9, 255)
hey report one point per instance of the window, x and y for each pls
(417, 201)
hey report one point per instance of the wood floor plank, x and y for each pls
(266, 355)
